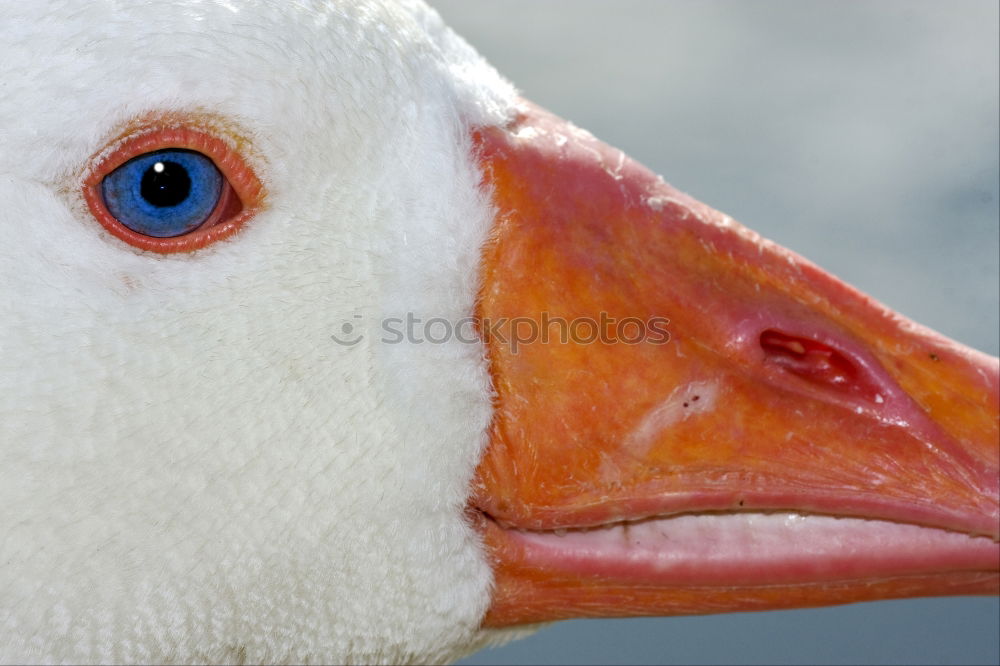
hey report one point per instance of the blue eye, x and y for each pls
(165, 193)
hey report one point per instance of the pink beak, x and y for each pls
(692, 419)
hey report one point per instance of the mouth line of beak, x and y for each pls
(746, 548)
(713, 495)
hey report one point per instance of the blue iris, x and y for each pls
(164, 193)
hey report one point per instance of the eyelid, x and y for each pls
(241, 178)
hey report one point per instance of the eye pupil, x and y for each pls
(165, 184)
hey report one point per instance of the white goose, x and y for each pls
(193, 470)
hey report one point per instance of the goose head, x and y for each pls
(216, 448)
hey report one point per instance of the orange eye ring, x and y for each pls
(240, 200)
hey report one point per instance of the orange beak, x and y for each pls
(691, 419)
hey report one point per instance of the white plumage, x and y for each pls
(192, 468)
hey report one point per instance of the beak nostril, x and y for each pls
(820, 364)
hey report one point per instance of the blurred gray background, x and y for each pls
(863, 135)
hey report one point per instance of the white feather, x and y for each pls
(192, 468)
